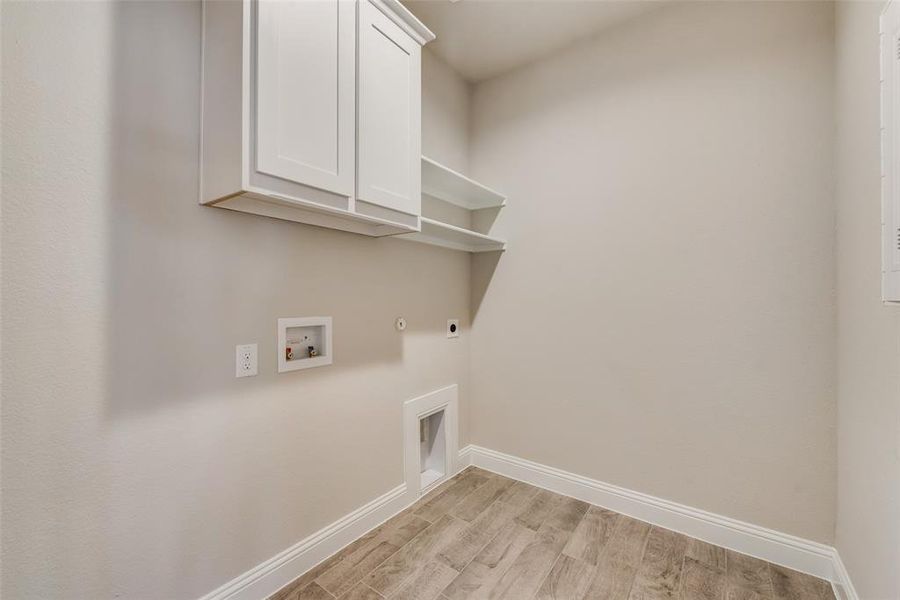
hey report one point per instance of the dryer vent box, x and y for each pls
(430, 438)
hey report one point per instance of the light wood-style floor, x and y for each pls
(481, 535)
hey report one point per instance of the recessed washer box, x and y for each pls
(303, 343)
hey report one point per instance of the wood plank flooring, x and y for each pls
(481, 536)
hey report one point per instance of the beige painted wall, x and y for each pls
(868, 502)
(664, 317)
(663, 320)
(134, 464)
(446, 101)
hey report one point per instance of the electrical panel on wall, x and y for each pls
(890, 152)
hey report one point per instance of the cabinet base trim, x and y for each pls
(329, 218)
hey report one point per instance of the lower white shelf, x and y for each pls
(441, 234)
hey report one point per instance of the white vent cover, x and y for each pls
(890, 152)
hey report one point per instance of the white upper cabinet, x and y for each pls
(390, 101)
(305, 86)
(308, 116)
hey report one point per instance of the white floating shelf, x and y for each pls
(448, 185)
(456, 238)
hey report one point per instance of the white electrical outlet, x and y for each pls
(245, 364)
(452, 328)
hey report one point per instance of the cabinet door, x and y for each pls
(389, 121)
(305, 92)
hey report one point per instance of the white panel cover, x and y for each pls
(890, 152)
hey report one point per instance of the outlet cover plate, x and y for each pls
(245, 360)
(452, 328)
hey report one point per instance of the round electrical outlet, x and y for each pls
(452, 328)
(400, 324)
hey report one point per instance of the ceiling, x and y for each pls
(484, 38)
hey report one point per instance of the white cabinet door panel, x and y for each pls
(389, 120)
(305, 92)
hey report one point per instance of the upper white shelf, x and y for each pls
(448, 185)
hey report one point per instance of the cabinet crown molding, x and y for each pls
(407, 21)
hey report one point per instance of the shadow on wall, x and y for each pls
(483, 266)
(188, 282)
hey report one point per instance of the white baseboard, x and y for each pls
(843, 587)
(773, 546)
(267, 578)
(465, 457)
(779, 548)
